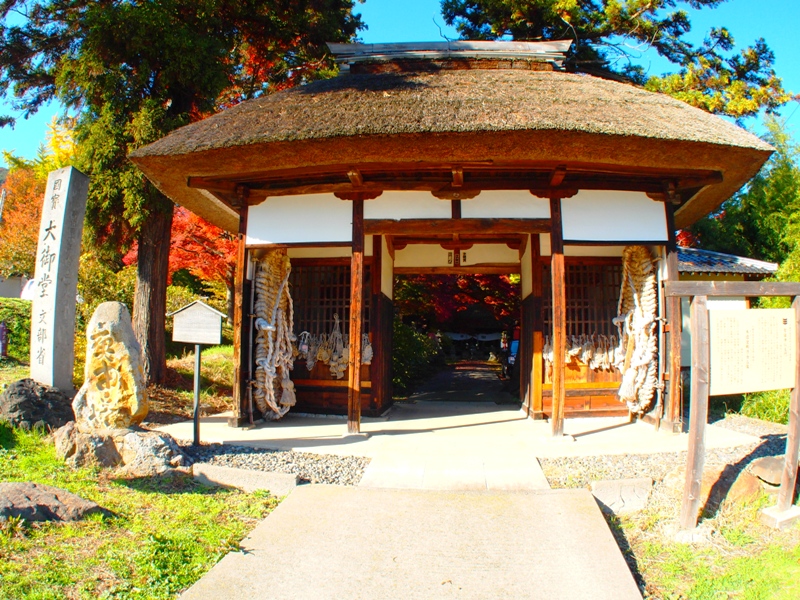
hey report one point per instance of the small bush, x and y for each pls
(768, 406)
(17, 316)
(414, 356)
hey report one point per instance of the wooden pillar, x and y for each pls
(559, 317)
(356, 295)
(376, 324)
(240, 326)
(698, 414)
(673, 408)
(537, 366)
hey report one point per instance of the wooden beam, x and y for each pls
(355, 177)
(356, 296)
(458, 177)
(468, 177)
(789, 475)
(559, 317)
(731, 288)
(698, 415)
(451, 226)
(558, 175)
(479, 269)
(455, 209)
(240, 404)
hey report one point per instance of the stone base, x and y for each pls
(771, 517)
(355, 437)
(138, 453)
(560, 439)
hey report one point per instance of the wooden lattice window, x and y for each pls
(321, 290)
(592, 292)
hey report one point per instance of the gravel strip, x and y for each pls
(579, 472)
(313, 468)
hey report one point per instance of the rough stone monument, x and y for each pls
(114, 394)
(56, 278)
(112, 402)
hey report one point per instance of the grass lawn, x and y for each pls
(740, 557)
(166, 532)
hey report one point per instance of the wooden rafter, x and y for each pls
(456, 182)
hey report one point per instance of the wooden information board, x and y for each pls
(752, 350)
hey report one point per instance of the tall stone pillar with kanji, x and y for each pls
(56, 278)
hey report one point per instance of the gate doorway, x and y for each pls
(465, 327)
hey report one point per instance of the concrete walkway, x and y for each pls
(455, 445)
(329, 542)
(434, 515)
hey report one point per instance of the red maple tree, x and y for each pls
(203, 249)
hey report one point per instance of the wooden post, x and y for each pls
(559, 317)
(789, 476)
(376, 323)
(698, 413)
(239, 323)
(537, 366)
(673, 412)
(356, 295)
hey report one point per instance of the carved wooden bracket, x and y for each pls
(450, 193)
(357, 195)
(554, 193)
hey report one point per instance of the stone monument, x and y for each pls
(56, 278)
(114, 394)
(112, 403)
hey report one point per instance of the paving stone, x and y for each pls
(623, 496)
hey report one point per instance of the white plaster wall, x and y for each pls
(489, 253)
(611, 215)
(421, 255)
(544, 249)
(407, 205)
(387, 270)
(298, 219)
(433, 255)
(526, 271)
(336, 252)
(332, 252)
(509, 204)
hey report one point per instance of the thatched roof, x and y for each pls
(456, 115)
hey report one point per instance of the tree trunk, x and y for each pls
(150, 300)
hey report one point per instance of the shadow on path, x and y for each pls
(465, 381)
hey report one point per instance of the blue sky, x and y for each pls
(421, 20)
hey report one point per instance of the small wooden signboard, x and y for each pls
(197, 323)
(752, 350)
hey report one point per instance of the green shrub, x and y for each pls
(414, 356)
(17, 315)
(768, 406)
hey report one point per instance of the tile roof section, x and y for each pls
(695, 260)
